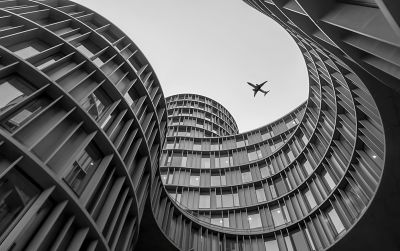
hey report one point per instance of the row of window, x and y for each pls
(197, 113)
(240, 197)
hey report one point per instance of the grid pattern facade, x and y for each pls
(300, 183)
(82, 121)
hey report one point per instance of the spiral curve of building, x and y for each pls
(319, 180)
(93, 158)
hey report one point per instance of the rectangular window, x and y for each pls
(29, 48)
(252, 155)
(96, 104)
(204, 201)
(205, 162)
(271, 245)
(310, 199)
(246, 176)
(254, 220)
(288, 242)
(184, 161)
(227, 200)
(328, 180)
(224, 161)
(290, 155)
(217, 221)
(307, 166)
(260, 195)
(335, 220)
(236, 199)
(277, 216)
(197, 146)
(194, 180)
(22, 115)
(13, 90)
(215, 180)
(83, 168)
(273, 192)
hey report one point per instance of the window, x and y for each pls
(223, 180)
(96, 104)
(335, 220)
(204, 201)
(217, 221)
(22, 115)
(307, 167)
(194, 180)
(254, 220)
(273, 191)
(205, 162)
(225, 161)
(184, 161)
(260, 195)
(17, 194)
(254, 155)
(310, 199)
(13, 90)
(329, 181)
(215, 180)
(290, 155)
(169, 145)
(83, 169)
(227, 200)
(246, 176)
(236, 199)
(310, 239)
(277, 216)
(288, 242)
(28, 48)
(197, 146)
(271, 245)
(264, 172)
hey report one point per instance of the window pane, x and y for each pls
(204, 201)
(260, 195)
(194, 180)
(271, 245)
(21, 116)
(246, 177)
(329, 181)
(277, 216)
(215, 180)
(13, 89)
(205, 162)
(83, 169)
(227, 200)
(307, 167)
(254, 220)
(335, 220)
(310, 198)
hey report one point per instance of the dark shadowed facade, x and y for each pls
(89, 161)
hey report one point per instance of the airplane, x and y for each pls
(257, 88)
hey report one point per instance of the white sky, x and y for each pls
(213, 47)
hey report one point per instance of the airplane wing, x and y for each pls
(265, 92)
(255, 92)
(263, 83)
(251, 85)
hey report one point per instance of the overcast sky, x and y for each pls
(213, 47)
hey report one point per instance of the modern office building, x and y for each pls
(82, 122)
(87, 161)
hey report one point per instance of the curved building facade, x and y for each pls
(82, 122)
(322, 177)
(87, 161)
